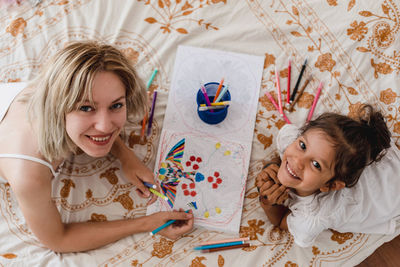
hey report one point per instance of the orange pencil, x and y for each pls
(218, 90)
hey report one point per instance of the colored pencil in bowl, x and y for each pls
(165, 225)
(315, 101)
(218, 90)
(204, 108)
(278, 90)
(245, 245)
(276, 107)
(222, 93)
(224, 241)
(203, 90)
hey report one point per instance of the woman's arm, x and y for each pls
(33, 192)
(134, 169)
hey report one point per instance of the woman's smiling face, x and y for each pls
(308, 163)
(94, 127)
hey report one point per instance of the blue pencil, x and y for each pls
(152, 78)
(155, 231)
(222, 93)
(149, 185)
(219, 245)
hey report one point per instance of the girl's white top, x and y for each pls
(371, 206)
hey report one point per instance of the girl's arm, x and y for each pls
(277, 214)
(32, 187)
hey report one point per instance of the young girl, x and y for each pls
(79, 102)
(333, 173)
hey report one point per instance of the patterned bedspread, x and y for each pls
(351, 45)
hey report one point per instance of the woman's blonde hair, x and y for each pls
(66, 81)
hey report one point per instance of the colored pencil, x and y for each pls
(146, 115)
(223, 103)
(298, 81)
(153, 106)
(204, 108)
(245, 245)
(219, 245)
(218, 90)
(276, 107)
(203, 90)
(221, 95)
(155, 231)
(278, 90)
(224, 241)
(299, 94)
(149, 185)
(155, 192)
(289, 70)
(315, 101)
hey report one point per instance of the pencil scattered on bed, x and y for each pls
(315, 101)
(277, 107)
(146, 115)
(300, 93)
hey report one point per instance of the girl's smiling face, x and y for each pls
(308, 163)
(94, 127)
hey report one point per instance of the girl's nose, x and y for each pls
(299, 161)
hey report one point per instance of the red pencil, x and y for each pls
(277, 107)
(289, 70)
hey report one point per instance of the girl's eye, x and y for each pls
(316, 164)
(302, 145)
(85, 108)
(117, 106)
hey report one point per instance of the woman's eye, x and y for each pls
(302, 145)
(117, 106)
(85, 108)
(316, 165)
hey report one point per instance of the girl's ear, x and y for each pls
(332, 186)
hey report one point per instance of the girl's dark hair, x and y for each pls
(358, 142)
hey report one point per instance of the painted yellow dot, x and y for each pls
(161, 177)
(163, 165)
(227, 153)
(217, 210)
(206, 214)
(217, 145)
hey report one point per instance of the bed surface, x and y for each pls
(352, 46)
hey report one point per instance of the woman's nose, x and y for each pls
(103, 122)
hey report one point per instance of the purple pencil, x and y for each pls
(153, 106)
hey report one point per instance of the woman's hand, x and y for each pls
(134, 169)
(184, 223)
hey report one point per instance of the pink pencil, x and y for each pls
(278, 90)
(276, 106)
(289, 70)
(203, 90)
(315, 101)
(224, 241)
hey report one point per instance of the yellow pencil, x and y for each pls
(223, 103)
(155, 192)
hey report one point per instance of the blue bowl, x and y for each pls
(217, 115)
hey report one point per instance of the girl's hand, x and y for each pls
(184, 223)
(272, 193)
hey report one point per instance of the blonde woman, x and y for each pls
(81, 100)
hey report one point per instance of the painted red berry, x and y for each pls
(195, 167)
(192, 158)
(198, 159)
(193, 193)
(216, 174)
(186, 192)
(210, 179)
(219, 180)
(184, 186)
(192, 185)
(215, 186)
(188, 163)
